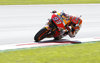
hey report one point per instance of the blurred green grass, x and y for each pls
(30, 2)
(78, 53)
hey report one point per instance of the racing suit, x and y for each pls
(72, 24)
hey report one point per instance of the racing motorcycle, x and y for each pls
(54, 28)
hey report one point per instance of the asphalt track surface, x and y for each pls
(19, 23)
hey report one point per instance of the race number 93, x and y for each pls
(56, 19)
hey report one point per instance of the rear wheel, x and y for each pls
(41, 34)
(57, 38)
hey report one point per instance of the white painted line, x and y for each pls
(28, 45)
(86, 39)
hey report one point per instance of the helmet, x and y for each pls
(65, 15)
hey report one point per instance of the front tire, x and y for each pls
(41, 34)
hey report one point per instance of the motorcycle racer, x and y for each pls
(59, 25)
(71, 23)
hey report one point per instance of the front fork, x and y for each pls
(53, 31)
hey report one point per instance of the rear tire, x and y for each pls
(57, 38)
(41, 34)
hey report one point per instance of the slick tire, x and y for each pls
(57, 38)
(41, 34)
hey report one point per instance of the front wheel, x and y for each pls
(41, 34)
